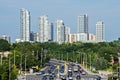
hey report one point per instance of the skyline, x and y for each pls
(67, 10)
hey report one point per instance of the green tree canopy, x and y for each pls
(4, 45)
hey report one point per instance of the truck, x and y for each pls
(75, 68)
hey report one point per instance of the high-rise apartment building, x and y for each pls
(67, 30)
(36, 37)
(51, 32)
(83, 37)
(91, 37)
(67, 33)
(70, 38)
(45, 29)
(60, 31)
(100, 31)
(24, 25)
(82, 24)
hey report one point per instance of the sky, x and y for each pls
(107, 11)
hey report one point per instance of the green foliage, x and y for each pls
(4, 76)
(3, 72)
(14, 73)
(4, 45)
(96, 55)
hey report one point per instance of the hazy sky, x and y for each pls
(107, 11)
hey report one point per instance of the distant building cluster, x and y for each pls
(5, 37)
(48, 32)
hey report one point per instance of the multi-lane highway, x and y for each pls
(61, 70)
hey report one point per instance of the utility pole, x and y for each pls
(37, 54)
(59, 56)
(14, 58)
(41, 57)
(62, 56)
(21, 64)
(119, 67)
(25, 66)
(81, 58)
(1, 59)
(86, 61)
(9, 68)
(67, 56)
(73, 56)
(90, 62)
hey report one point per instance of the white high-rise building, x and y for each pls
(100, 31)
(83, 24)
(83, 37)
(67, 30)
(60, 31)
(45, 30)
(24, 25)
(67, 33)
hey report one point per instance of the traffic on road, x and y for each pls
(60, 70)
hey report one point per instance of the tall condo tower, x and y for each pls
(82, 24)
(100, 31)
(45, 29)
(60, 31)
(24, 25)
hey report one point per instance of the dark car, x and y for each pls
(98, 77)
(78, 76)
(49, 71)
(51, 77)
(70, 74)
(53, 74)
(44, 77)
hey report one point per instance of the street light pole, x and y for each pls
(9, 68)
(119, 67)
(1, 59)
(41, 57)
(37, 54)
(14, 58)
(81, 58)
(67, 56)
(25, 66)
(86, 61)
(90, 61)
(21, 64)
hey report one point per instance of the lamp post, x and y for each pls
(119, 67)
(86, 60)
(1, 59)
(80, 56)
(9, 68)
(41, 56)
(10, 65)
(90, 61)
(67, 56)
(25, 66)
(14, 58)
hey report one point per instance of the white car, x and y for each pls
(83, 73)
(70, 78)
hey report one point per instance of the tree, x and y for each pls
(4, 45)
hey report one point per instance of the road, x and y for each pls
(58, 70)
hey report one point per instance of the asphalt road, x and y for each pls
(52, 68)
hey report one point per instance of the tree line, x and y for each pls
(93, 55)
